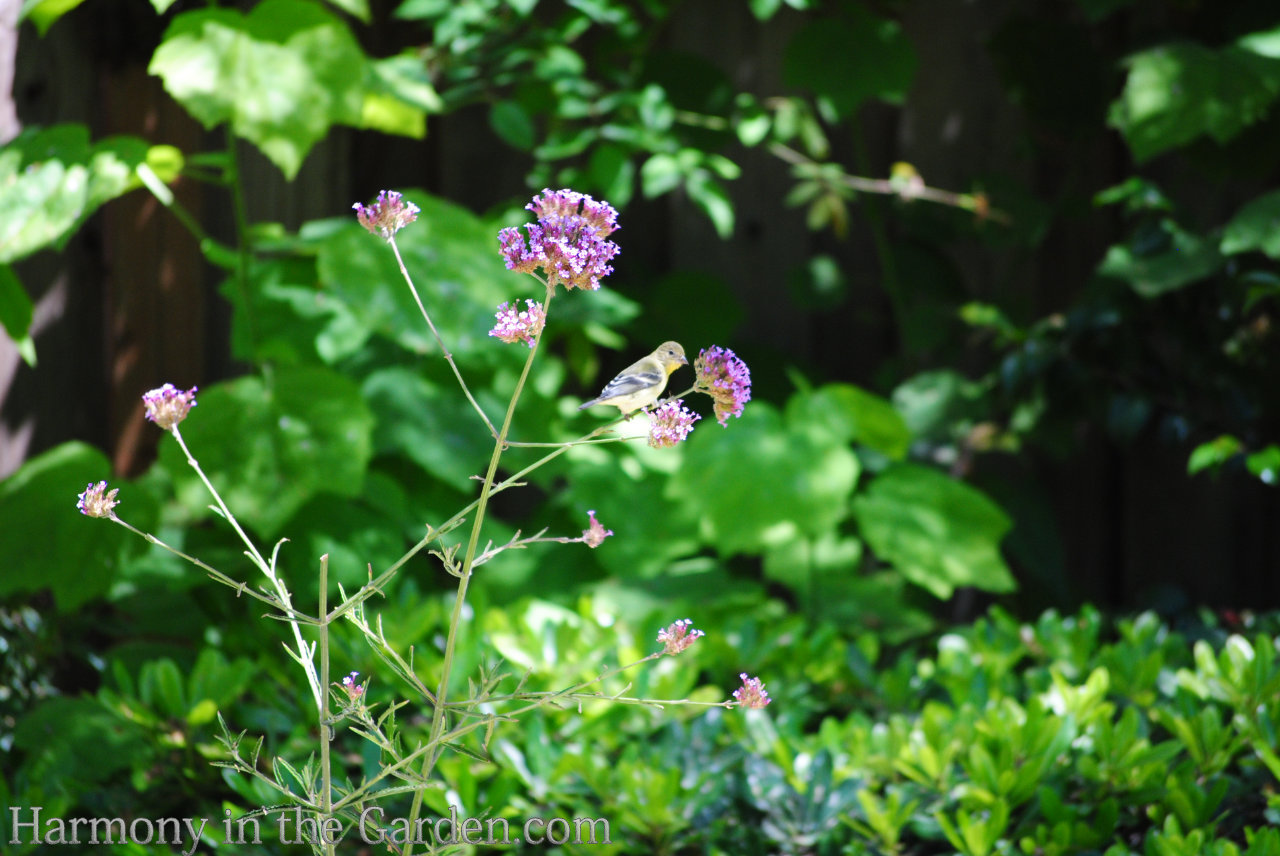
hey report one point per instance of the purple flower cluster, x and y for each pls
(670, 423)
(97, 501)
(353, 688)
(752, 692)
(569, 241)
(168, 405)
(515, 326)
(678, 636)
(387, 215)
(593, 536)
(724, 377)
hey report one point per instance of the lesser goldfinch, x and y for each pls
(640, 384)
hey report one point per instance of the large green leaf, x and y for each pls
(1256, 226)
(51, 179)
(269, 448)
(1162, 259)
(851, 414)
(939, 532)
(47, 543)
(434, 427)
(280, 76)
(850, 59)
(454, 260)
(1178, 92)
(762, 480)
(633, 501)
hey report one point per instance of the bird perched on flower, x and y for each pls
(640, 384)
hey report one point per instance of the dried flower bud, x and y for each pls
(96, 501)
(167, 406)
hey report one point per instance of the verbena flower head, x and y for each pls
(168, 405)
(515, 326)
(725, 378)
(678, 636)
(752, 692)
(353, 690)
(96, 501)
(387, 215)
(670, 423)
(569, 241)
(593, 536)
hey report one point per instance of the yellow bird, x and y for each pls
(640, 384)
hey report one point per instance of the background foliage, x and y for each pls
(936, 368)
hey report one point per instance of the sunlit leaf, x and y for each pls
(939, 532)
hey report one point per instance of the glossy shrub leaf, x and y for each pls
(269, 448)
(279, 76)
(51, 179)
(1177, 92)
(51, 545)
(1256, 226)
(850, 59)
(939, 532)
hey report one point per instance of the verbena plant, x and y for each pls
(568, 247)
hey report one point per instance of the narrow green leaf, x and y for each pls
(709, 195)
(15, 314)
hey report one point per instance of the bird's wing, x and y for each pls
(629, 382)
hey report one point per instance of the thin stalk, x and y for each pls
(439, 340)
(305, 657)
(464, 579)
(510, 481)
(213, 572)
(326, 728)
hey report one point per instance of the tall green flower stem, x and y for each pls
(326, 721)
(464, 579)
(305, 654)
(514, 480)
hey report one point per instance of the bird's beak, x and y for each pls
(684, 360)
